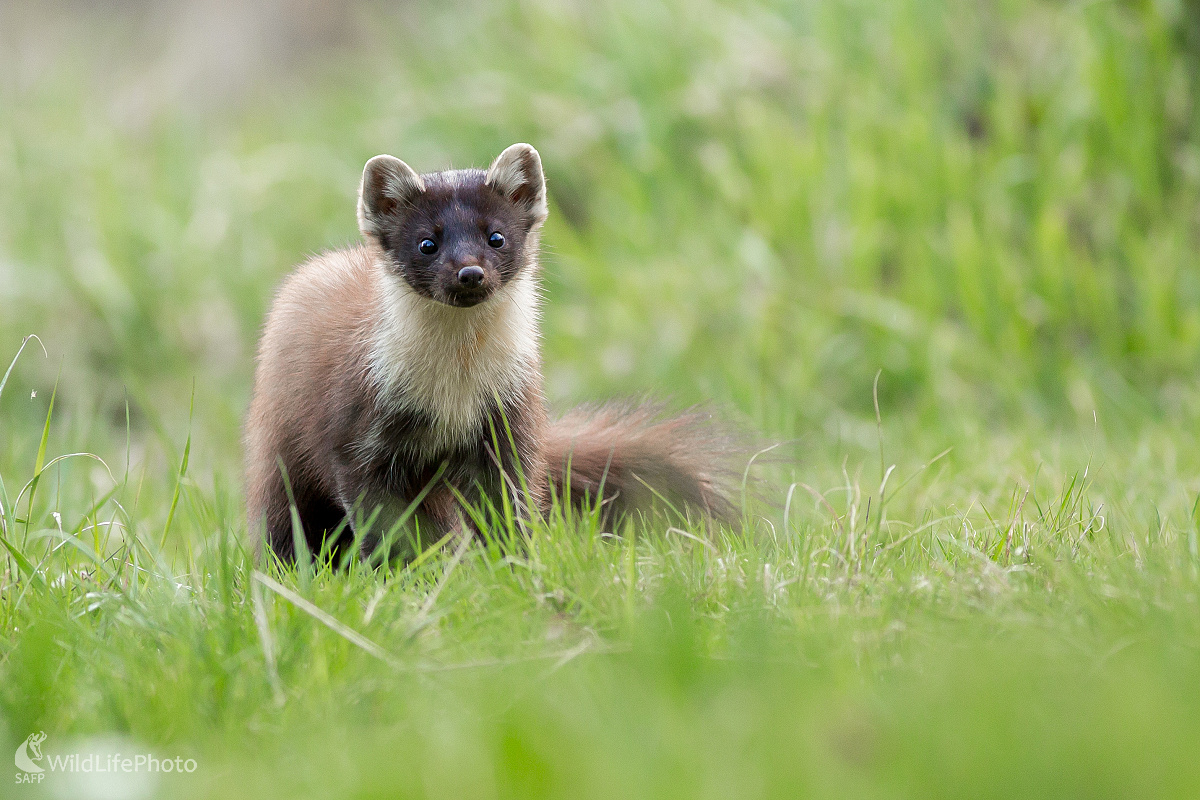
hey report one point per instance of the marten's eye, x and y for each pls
(427, 246)
(496, 239)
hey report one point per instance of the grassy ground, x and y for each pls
(945, 251)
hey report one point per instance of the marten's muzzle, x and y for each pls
(468, 285)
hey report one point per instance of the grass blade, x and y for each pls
(183, 465)
(326, 619)
(40, 461)
(13, 363)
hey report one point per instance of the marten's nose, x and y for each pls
(471, 277)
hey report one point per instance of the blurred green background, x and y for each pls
(878, 231)
(994, 203)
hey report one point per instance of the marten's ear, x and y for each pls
(387, 184)
(517, 174)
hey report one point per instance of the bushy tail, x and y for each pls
(637, 456)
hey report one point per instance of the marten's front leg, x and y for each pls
(390, 524)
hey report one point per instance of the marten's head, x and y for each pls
(457, 236)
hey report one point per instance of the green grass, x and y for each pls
(945, 251)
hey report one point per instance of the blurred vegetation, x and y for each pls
(994, 203)
(880, 231)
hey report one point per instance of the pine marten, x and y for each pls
(408, 369)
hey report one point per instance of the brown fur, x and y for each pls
(632, 456)
(314, 405)
(350, 394)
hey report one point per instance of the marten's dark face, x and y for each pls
(456, 237)
(459, 240)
